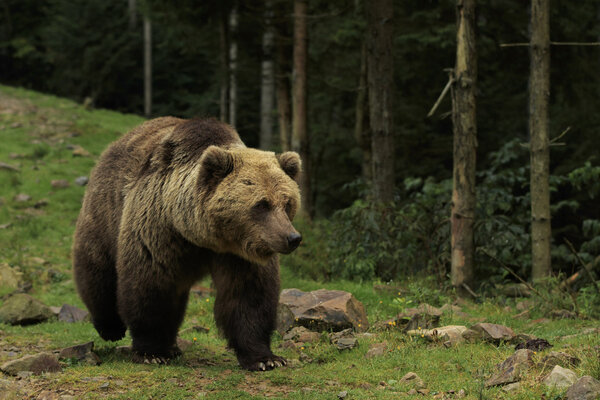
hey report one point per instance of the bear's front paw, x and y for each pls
(141, 357)
(265, 363)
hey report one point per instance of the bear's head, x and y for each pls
(250, 199)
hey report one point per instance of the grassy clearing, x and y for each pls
(37, 132)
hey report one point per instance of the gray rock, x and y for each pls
(320, 310)
(560, 378)
(301, 334)
(451, 334)
(346, 343)
(511, 369)
(342, 395)
(38, 363)
(81, 180)
(335, 336)
(70, 314)
(493, 332)
(22, 309)
(22, 198)
(586, 388)
(60, 183)
(413, 380)
(10, 277)
(376, 350)
(82, 353)
(511, 387)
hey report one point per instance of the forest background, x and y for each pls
(208, 58)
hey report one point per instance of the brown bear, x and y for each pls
(169, 203)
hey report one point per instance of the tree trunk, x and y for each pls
(267, 92)
(464, 118)
(380, 67)
(224, 63)
(283, 72)
(361, 125)
(539, 93)
(147, 67)
(132, 14)
(300, 139)
(233, 23)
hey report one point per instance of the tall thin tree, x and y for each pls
(132, 14)
(362, 131)
(539, 93)
(267, 92)
(380, 67)
(224, 64)
(147, 66)
(300, 138)
(464, 118)
(233, 55)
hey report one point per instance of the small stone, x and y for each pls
(424, 392)
(412, 392)
(493, 332)
(81, 180)
(24, 374)
(60, 183)
(79, 151)
(376, 350)
(451, 334)
(39, 363)
(335, 336)
(78, 351)
(346, 343)
(511, 369)
(10, 277)
(511, 387)
(70, 314)
(560, 378)
(342, 395)
(8, 167)
(413, 379)
(586, 388)
(461, 393)
(104, 386)
(184, 344)
(22, 198)
(305, 358)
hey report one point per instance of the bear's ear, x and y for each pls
(290, 163)
(215, 164)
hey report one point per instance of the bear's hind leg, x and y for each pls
(96, 279)
(246, 309)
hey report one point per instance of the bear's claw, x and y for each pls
(267, 363)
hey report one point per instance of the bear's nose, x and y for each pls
(294, 240)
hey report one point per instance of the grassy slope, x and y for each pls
(39, 128)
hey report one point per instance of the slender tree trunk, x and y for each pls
(380, 67)
(267, 92)
(147, 67)
(539, 93)
(283, 72)
(233, 23)
(361, 125)
(132, 14)
(464, 118)
(300, 139)
(224, 63)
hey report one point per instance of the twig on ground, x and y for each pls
(585, 267)
(513, 273)
(469, 290)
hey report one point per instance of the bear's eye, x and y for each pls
(262, 205)
(288, 207)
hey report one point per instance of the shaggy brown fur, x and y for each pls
(169, 203)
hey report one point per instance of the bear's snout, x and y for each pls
(294, 240)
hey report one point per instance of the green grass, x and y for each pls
(38, 129)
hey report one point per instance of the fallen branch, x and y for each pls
(585, 267)
(469, 290)
(513, 273)
(442, 95)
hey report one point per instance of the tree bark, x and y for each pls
(233, 23)
(300, 138)
(361, 125)
(147, 67)
(539, 93)
(132, 14)
(464, 118)
(283, 73)
(380, 67)
(267, 92)
(224, 62)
